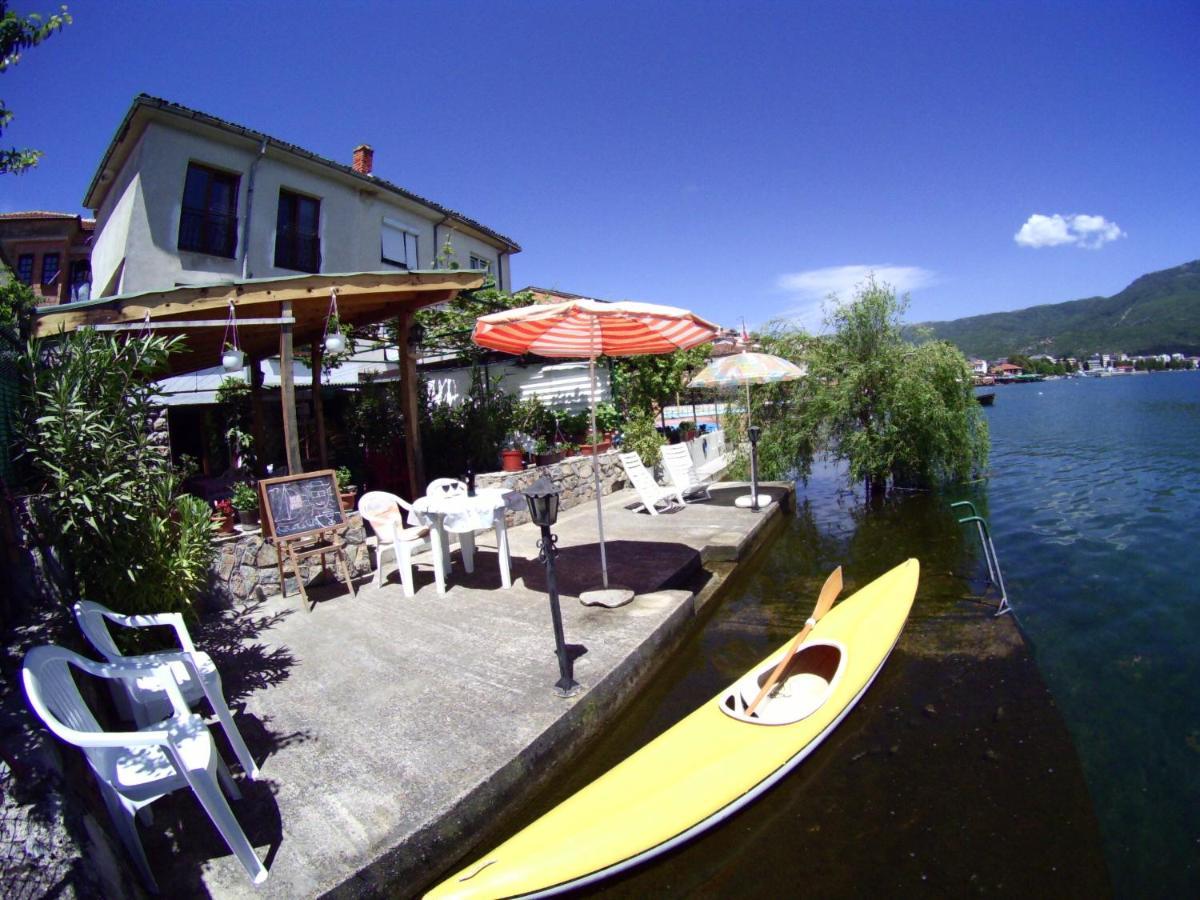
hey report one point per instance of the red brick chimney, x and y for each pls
(364, 159)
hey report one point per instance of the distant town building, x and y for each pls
(979, 366)
(49, 251)
(1007, 368)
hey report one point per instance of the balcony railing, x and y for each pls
(297, 250)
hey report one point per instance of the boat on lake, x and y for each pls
(987, 398)
(714, 762)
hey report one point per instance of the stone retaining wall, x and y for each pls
(573, 477)
(245, 567)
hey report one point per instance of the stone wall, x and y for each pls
(573, 477)
(245, 566)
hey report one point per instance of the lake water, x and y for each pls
(1093, 498)
(1094, 502)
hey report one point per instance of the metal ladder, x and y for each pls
(995, 576)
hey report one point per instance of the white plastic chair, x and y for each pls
(143, 699)
(445, 487)
(677, 460)
(386, 512)
(135, 768)
(650, 492)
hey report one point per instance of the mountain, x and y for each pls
(1157, 313)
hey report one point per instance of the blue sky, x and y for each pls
(738, 159)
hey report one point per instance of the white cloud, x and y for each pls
(811, 288)
(1078, 229)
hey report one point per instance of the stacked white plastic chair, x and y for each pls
(649, 491)
(135, 768)
(145, 699)
(385, 512)
(681, 470)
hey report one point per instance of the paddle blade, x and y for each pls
(829, 593)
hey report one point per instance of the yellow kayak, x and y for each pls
(711, 764)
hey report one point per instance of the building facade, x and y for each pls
(182, 197)
(49, 251)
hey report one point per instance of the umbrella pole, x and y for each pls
(753, 456)
(596, 470)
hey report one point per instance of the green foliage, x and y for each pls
(343, 476)
(531, 417)
(641, 437)
(1157, 313)
(234, 409)
(17, 303)
(607, 417)
(21, 32)
(133, 545)
(448, 326)
(1038, 366)
(889, 408)
(245, 496)
(471, 432)
(375, 414)
(649, 382)
(574, 426)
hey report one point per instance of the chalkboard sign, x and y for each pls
(296, 505)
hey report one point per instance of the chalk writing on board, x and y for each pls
(304, 503)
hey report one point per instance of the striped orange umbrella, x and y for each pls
(585, 329)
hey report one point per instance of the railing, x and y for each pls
(995, 576)
(299, 250)
(205, 231)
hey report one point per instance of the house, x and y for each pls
(1007, 370)
(183, 198)
(978, 366)
(49, 251)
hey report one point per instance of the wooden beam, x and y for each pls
(409, 387)
(287, 396)
(259, 417)
(317, 361)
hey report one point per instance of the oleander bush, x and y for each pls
(132, 542)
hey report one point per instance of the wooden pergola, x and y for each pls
(273, 316)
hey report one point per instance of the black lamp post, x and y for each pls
(542, 497)
(755, 431)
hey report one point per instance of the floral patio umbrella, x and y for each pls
(748, 368)
(587, 329)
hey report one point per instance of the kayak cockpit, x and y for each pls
(802, 689)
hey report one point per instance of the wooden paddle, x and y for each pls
(829, 592)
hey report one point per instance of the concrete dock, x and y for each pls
(393, 732)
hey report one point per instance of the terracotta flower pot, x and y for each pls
(347, 498)
(586, 449)
(512, 460)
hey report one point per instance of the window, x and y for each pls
(208, 222)
(25, 268)
(81, 279)
(399, 245)
(297, 234)
(478, 262)
(49, 268)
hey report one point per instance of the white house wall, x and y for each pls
(139, 221)
(560, 386)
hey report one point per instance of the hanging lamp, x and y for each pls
(232, 357)
(335, 341)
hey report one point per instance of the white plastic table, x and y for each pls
(456, 513)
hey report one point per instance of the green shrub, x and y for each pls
(245, 496)
(642, 438)
(132, 544)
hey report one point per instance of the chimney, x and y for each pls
(364, 159)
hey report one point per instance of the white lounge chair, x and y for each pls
(193, 671)
(650, 492)
(681, 471)
(135, 768)
(386, 513)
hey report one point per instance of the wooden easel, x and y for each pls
(302, 517)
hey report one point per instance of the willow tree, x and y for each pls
(892, 410)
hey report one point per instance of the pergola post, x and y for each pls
(287, 394)
(259, 419)
(409, 387)
(317, 362)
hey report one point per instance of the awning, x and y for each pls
(364, 298)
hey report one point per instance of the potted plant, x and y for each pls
(346, 491)
(512, 457)
(608, 419)
(223, 516)
(245, 501)
(545, 453)
(601, 442)
(232, 359)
